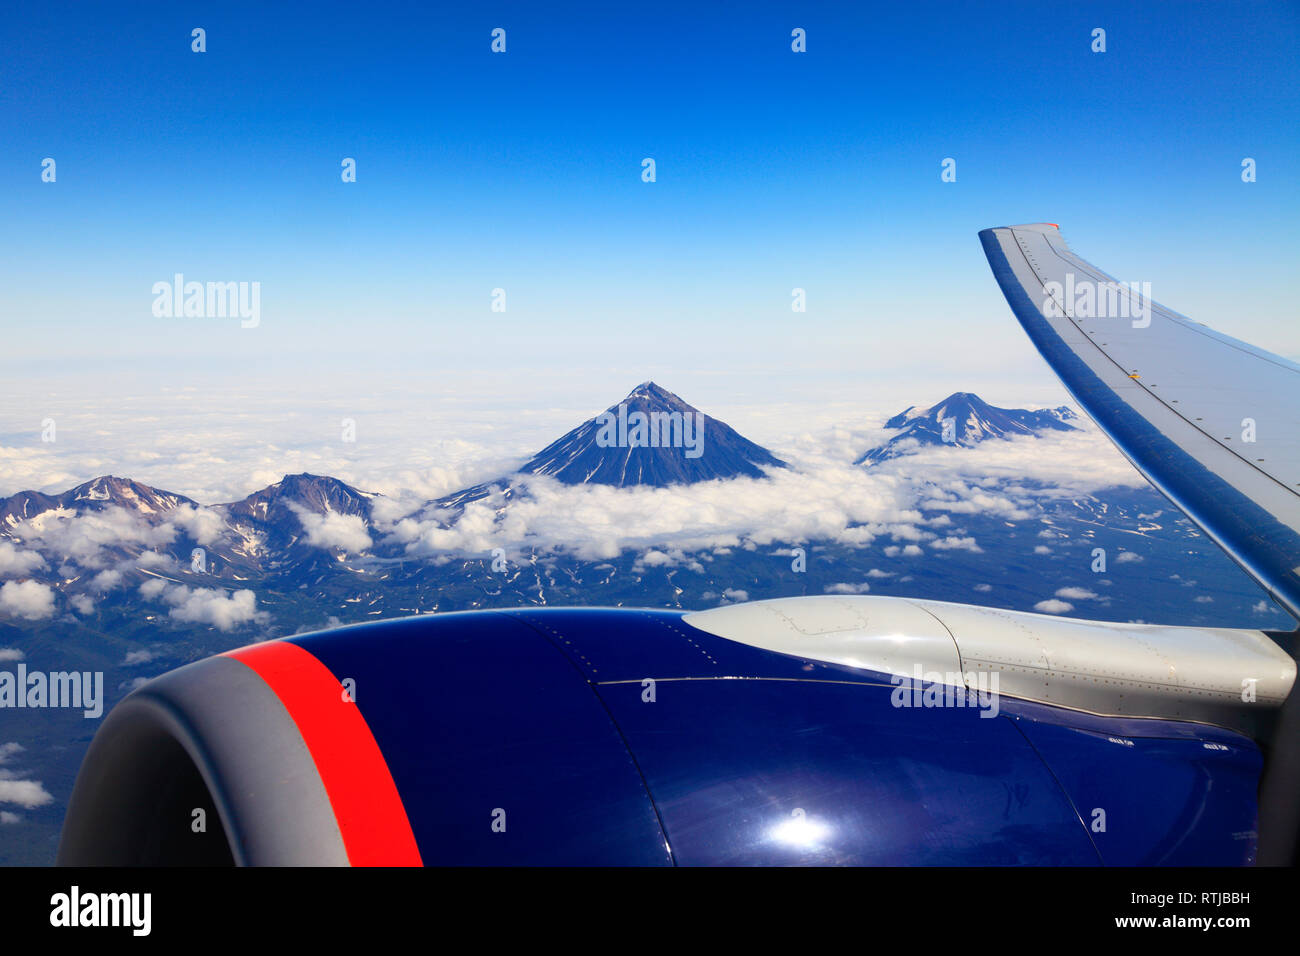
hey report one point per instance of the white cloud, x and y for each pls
(7, 817)
(89, 537)
(1042, 549)
(978, 501)
(824, 497)
(673, 557)
(138, 657)
(596, 522)
(25, 793)
(212, 606)
(10, 654)
(953, 543)
(334, 530)
(29, 600)
(207, 605)
(1053, 606)
(204, 525)
(152, 559)
(1073, 462)
(16, 561)
(217, 437)
(846, 588)
(1076, 594)
(106, 580)
(1124, 557)
(153, 587)
(728, 596)
(82, 603)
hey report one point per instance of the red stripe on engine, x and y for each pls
(366, 804)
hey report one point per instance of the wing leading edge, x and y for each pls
(1212, 422)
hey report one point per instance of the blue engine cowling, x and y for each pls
(585, 736)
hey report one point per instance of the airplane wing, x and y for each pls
(1212, 422)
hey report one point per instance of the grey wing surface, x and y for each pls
(1212, 422)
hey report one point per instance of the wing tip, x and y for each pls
(1026, 227)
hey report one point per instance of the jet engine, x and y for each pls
(835, 730)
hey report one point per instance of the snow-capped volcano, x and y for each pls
(965, 419)
(109, 522)
(278, 504)
(653, 438)
(289, 521)
(106, 491)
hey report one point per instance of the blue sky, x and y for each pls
(522, 171)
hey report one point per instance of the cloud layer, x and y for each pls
(823, 497)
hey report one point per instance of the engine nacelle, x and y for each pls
(783, 732)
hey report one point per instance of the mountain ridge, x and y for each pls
(964, 419)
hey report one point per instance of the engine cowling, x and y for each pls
(594, 736)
